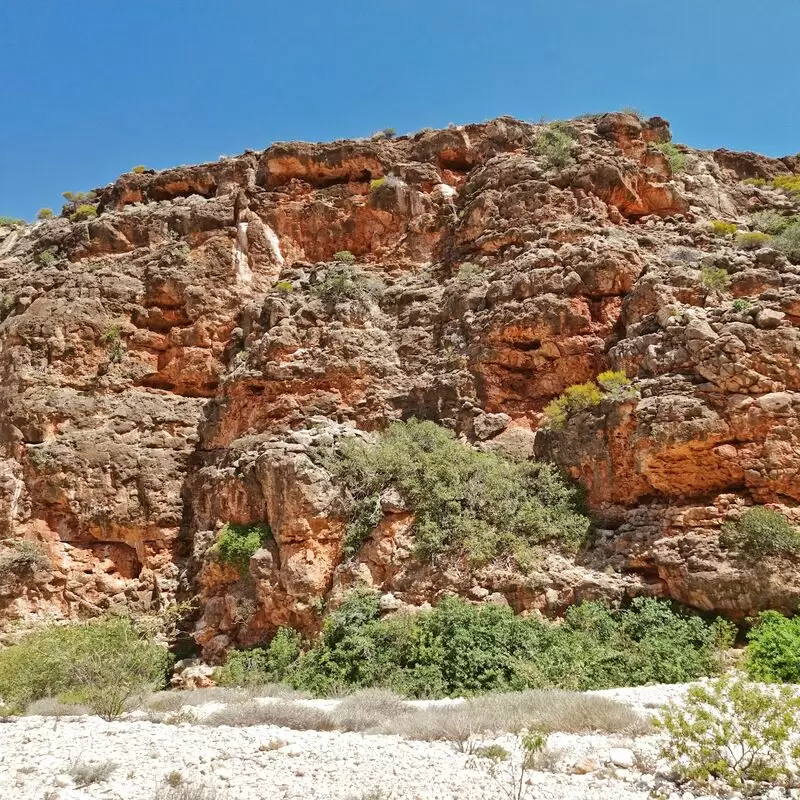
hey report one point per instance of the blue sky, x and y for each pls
(91, 88)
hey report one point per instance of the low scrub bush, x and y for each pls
(773, 650)
(722, 228)
(755, 182)
(675, 157)
(733, 735)
(261, 666)
(770, 221)
(509, 768)
(21, 559)
(83, 212)
(714, 279)
(469, 272)
(344, 257)
(10, 222)
(186, 790)
(741, 305)
(376, 183)
(45, 213)
(752, 240)
(788, 242)
(139, 169)
(343, 283)
(285, 715)
(760, 532)
(237, 544)
(615, 385)
(284, 287)
(368, 708)
(108, 665)
(789, 183)
(458, 649)
(554, 145)
(464, 501)
(86, 773)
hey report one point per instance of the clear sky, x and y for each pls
(91, 88)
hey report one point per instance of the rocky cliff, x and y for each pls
(169, 365)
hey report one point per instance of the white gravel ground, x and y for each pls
(241, 764)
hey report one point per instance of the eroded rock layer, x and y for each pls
(170, 366)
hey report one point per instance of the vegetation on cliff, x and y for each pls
(463, 500)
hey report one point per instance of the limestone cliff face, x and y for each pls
(168, 366)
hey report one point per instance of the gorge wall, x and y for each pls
(167, 367)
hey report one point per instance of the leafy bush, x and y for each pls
(458, 649)
(741, 305)
(343, 283)
(139, 169)
(789, 183)
(755, 181)
(773, 650)
(676, 158)
(237, 544)
(722, 228)
(714, 279)
(261, 666)
(376, 183)
(86, 773)
(284, 287)
(759, 532)
(788, 242)
(344, 257)
(83, 212)
(615, 383)
(21, 559)
(469, 272)
(10, 222)
(47, 257)
(554, 145)
(752, 240)
(107, 665)
(733, 733)
(77, 198)
(770, 221)
(572, 400)
(45, 213)
(479, 503)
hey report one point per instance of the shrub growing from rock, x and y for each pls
(759, 532)
(44, 213)
(788, 242)
(752, 240)
(481, 504)
(344, 257)
(722, 228)
(237, 544)
(714, 279)
(107, 665)
(676, 158)
(259, 666)
(554, 145)
(343, 283)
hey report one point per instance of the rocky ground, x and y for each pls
(38, 755)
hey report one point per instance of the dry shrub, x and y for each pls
(177, 699)
(299, 717)
(52, 707)
(367, 709)
(186, 791)
(86, 773)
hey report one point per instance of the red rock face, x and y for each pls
(183, 360)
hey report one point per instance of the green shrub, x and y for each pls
(733, 734)
(554, 145)
(714, 279)
(376, 183)
(284, 287)
(773, 650)
(572, 400)
(237, 544)
(741, 305)
(789, 183)
(755, 181)
(788, 242)
(722, 228)
(343, 283)
(45, 213)
(463, 500)
(78, 198)
(107, 665)
(10, 222)
(469, 272)
(460, 649)
(760, 532)
(344, 257)
(676, 158)
(21, 559)
(616, 384)
(139, 169)
(83, 212)
(260, 666)
(770, 221)
(47, 257)
(752, 240)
